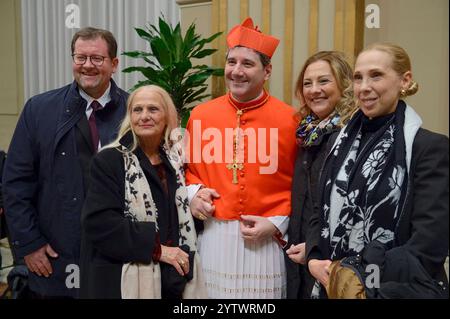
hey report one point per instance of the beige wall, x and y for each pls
(297, 49)
(11, 81)
(200, 14)
(420, 27)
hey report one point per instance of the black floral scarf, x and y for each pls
(363, 189)
(366, 188)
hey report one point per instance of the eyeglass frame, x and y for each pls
(90, 58)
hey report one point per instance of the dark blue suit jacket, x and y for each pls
(43, 181)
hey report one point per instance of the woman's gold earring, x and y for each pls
(403, 93)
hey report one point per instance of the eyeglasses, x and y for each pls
(80, 59)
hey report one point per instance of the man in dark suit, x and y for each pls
(47, 168)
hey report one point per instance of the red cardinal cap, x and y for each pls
(247, 35)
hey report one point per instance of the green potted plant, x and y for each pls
(170, 64)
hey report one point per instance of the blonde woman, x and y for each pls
(384, 189)
(138, 237)
(324, 88)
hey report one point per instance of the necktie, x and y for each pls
(95, 105)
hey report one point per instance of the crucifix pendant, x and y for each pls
(235, 167)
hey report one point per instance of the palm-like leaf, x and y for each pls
(169, 63)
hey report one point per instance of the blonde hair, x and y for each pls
(401, 62)
(171, 117)
(343, 74)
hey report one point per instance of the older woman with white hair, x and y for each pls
(138, 236)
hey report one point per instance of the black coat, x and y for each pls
(423, 227)
(109, 239)
(2, 216)
(2, 162)
(43, 180)
(305, 198)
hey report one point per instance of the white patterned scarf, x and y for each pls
(143, 281)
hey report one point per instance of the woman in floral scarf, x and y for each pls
(324, 88)
(384, 188)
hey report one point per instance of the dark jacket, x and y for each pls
(305, 198)
(44, 177)
(2, 163)
(422, 229)
(2, 216)
(109, 239)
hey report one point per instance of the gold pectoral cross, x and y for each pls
(235, 167)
